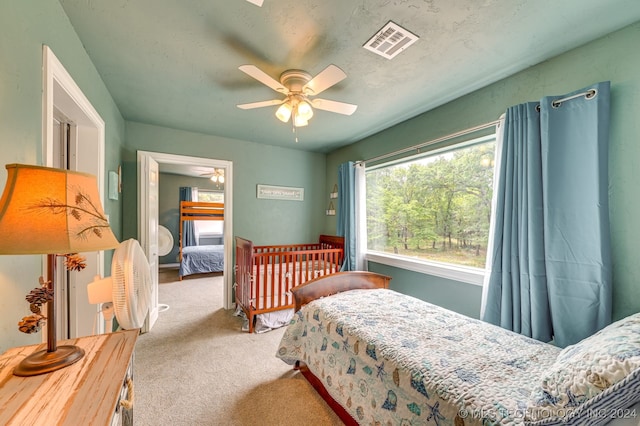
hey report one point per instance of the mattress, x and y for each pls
(389, 358)
(201, 259)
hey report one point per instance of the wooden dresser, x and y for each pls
(88, 392)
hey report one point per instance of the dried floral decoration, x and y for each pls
(74, 262)
(43, 294)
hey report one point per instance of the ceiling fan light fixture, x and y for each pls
(221, 179)
(299, 121)
(298, 86)
(284, 112)
(304, 111)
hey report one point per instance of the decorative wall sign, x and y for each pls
(114, 185)
(334, 193)
(331, 210)
(280, 192)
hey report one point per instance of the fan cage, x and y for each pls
(131, 285)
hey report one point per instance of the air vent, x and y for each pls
(390, 40)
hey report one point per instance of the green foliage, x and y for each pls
(436, 207)
(211, 196)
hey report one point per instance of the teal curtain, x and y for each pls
(346, 213)
(549, 265)
(188, 227)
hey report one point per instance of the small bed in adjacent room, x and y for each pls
(381, 357)
(199, 259)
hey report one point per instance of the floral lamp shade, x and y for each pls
(52, 211)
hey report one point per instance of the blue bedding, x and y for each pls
(201, 259)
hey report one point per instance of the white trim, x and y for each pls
(60, 92)
(58, 83)
(466, 274)
(228, 207)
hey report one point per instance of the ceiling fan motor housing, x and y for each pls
(294, 80)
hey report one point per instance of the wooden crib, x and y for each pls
(265, 275)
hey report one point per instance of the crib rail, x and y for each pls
(276, 273)
(265, 275)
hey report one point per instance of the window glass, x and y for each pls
(210, 196)
(209, 227)
(434, 208)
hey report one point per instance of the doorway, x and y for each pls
(85, 132)
(147, 213)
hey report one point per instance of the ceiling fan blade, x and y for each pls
(263, 77)
(261, 104)
(334, 106)
(256, 2)
(323, 80)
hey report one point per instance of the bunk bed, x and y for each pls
(199, 259)
(265, 275)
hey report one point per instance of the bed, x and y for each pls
(199, 259)
(265, 275)
(381, 357)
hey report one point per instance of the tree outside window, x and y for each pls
(434, 208)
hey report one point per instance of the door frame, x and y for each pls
(143, 214)
(61, 93)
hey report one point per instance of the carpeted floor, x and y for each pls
(196, 367)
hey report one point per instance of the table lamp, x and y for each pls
(54, 212)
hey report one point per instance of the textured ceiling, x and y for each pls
(175, 63)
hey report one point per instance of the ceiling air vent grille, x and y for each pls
(390, 40)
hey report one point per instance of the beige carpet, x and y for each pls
(196, 367)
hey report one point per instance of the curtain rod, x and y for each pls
(589, 94)
(431, 142)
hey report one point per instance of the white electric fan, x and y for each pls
(127, 292)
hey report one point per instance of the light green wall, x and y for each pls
(26, 26)
(613, 57)
(169, 206)
(262, 221)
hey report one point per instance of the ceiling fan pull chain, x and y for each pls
(294, 130)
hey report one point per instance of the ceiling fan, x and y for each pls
(256, 2)
(216, 175)
(298, 87)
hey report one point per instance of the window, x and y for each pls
(210, 196)
(433, 209)
(207, 228)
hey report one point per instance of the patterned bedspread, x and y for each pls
(393, 359)
(201, 259)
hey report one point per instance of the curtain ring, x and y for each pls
(538, 107)
(591, 94)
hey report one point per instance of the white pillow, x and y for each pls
(607, 361)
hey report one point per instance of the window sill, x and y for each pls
(464, 274)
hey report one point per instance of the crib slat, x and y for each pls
(265, 275)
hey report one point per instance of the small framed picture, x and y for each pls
(114, 184)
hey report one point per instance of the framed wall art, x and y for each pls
(271, 192)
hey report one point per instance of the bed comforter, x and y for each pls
(390, 358)
(201, 259)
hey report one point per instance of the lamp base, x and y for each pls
(43, 361)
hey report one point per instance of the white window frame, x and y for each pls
(201, 223)
(461, 273)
